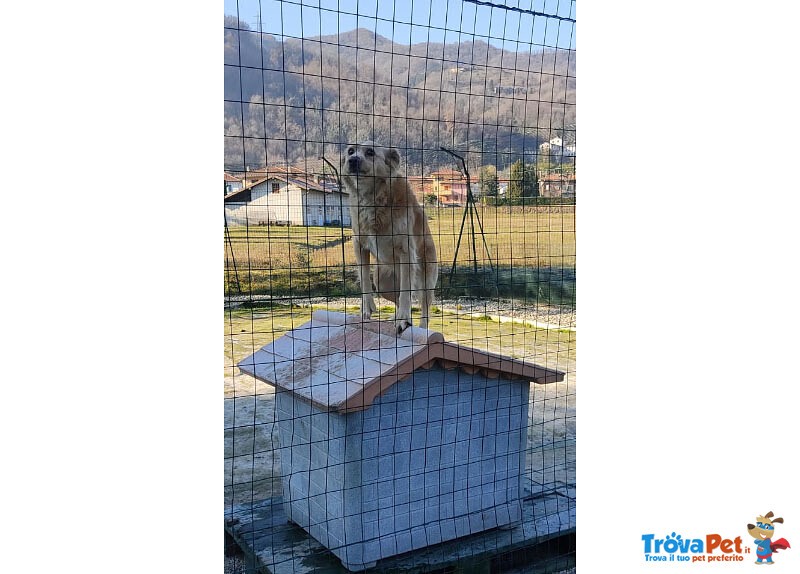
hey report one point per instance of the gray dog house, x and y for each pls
(393, 443)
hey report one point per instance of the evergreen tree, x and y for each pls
(488, 181)
(530, 183)
(524, 182)
(516, 178)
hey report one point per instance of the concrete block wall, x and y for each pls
(439, 456)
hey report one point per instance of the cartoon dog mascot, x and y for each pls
(762, 532)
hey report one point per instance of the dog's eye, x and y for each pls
(350, 151)
(370, 152)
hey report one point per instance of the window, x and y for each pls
(276, 187)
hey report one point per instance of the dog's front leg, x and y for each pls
(425, 297)
(402, 318)
(367, 300)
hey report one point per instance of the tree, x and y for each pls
(530, 181)
(545, 159)
(488, 181)
(515, 178)
(523, 182)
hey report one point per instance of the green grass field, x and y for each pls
(532, 256)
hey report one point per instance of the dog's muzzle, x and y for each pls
(354, 164)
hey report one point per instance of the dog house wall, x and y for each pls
(440, 455)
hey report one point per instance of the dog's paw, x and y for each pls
(402, 324)
(367, 306)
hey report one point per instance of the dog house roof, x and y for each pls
(342, 363)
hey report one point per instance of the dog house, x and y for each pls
(393, 443)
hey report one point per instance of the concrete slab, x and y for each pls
(276, 546)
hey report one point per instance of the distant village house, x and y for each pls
(232, 184)
(450, 187)
(286, 196)
(557, 185)
(447, 185)
(556, 147)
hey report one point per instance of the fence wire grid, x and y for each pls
(466, 107)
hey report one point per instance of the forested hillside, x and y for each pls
(299, 98)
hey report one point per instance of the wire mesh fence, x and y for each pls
(467, 108)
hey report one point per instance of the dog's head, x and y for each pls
(366, 160)
(763, 528)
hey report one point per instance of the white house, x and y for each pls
(555, 142)
(556, 147)
(232, 183)
(288, 199)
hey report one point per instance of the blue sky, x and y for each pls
(415, 21)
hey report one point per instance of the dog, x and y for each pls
(390, 226)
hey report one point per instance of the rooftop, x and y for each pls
(342, 363)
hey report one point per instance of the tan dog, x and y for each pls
(390, 225)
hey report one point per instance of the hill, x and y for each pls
(299, 98)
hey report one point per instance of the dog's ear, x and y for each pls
(392, 158)
(779, 520)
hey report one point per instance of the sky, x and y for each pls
(414, 21)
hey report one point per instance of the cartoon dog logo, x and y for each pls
(762, 532)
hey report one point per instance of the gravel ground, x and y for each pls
(544, 315)
(551, 316)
